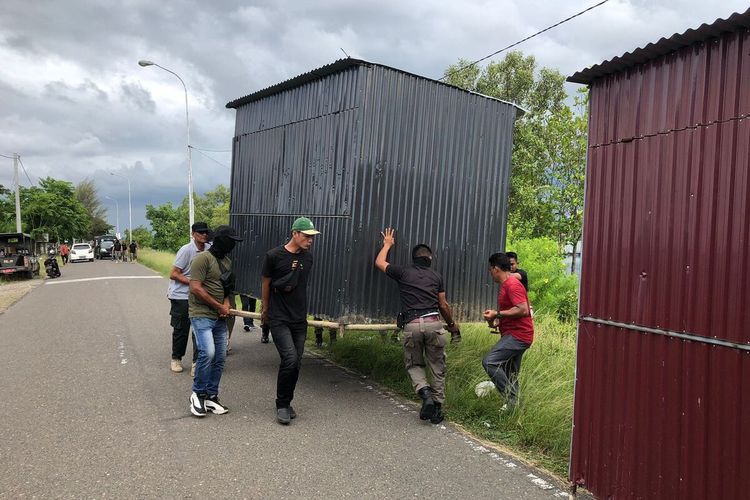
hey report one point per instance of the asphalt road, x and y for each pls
(91, 409)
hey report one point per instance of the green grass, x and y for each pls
(539, 430)
(158, 260)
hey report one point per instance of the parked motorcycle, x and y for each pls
(50, 264)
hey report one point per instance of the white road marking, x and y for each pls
(121, 350)
(103, 278)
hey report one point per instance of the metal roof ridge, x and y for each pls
(662, 47)
(336, 67)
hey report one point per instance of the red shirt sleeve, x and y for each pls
(517, 293)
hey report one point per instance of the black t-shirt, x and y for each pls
(418, 286)
(524, 278)
(287, 307)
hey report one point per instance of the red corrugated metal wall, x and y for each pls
(667, 247)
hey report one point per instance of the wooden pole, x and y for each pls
(340, 327)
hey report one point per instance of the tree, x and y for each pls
(566, 172)
(543, 185)
(53, 208)
(170, 225)
(86, 193)
(7, 210)
(142, 236)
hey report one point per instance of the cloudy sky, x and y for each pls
(74, 103)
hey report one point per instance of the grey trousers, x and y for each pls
(503, 363)
(425, 340)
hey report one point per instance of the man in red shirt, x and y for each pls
(503, 362)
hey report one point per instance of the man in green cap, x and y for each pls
(284, 290)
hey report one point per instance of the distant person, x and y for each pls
(116, 250)
(211, 289)
(517, 272)
(64, 252)
(423, 301)
(512, 317)
(248, 304)
(284, 287)
(133, 251)
(178, 292)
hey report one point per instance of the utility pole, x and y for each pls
(18, 192)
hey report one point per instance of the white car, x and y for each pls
(81, 251)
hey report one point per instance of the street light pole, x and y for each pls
(18, 192)
(117, 216)
(130, 208)
(191, 208)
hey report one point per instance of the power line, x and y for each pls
(6, 156)
(458, 70)
(24, 171)
(204, 154)
(212, 150)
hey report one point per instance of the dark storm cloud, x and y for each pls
(76, 104)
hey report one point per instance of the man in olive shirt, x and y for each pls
(211, 284)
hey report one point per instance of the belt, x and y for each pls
(427, 318)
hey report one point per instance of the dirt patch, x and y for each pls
(11, 292)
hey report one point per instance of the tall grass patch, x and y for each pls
(539, 429)
(158, 260)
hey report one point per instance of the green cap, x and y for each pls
(305, 226)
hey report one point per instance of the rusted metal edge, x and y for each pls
(668, 333)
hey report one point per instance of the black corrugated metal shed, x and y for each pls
(358, 146)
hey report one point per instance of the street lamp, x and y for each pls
(117, 216)
(130, 208)
(191, 209)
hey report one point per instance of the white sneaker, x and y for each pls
(214, 406)
(176, 365)
(197, 405)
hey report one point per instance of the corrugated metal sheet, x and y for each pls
(660, 418)
(663, 47)
(363, 149)
(667, 239)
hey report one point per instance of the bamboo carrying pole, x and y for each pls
(326, 324)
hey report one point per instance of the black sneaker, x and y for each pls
(264, 337)
(283, 416)
(247, 328)
(292, 413)
(438, 416)
(198, 404)
(213, 405)
(428, 404)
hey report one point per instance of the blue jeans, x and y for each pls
(211, 340)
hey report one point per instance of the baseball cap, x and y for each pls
(227, 232)
(304, 226)
(200, 227)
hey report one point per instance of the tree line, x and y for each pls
(548, 164)
(55, 208)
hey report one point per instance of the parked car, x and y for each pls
(105, 249)
(103, 246)
(15, 256)
(81, 251)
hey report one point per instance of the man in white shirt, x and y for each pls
(178, 291)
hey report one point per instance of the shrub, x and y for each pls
(551, 289)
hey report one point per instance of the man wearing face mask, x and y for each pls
(423, 301)
(284, 290)
(211, 285)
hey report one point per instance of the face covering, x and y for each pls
(422, 261)
(221, 246)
